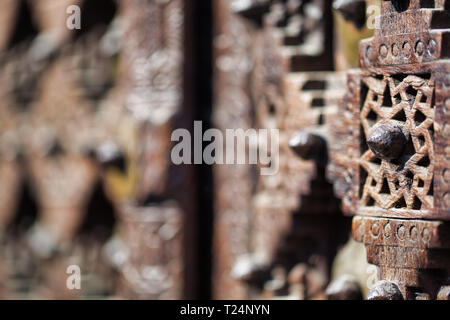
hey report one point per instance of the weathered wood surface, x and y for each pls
(402, 96)
(92, 110)
(84, 111)
(153, 216)
(284, 253)
(389, 160)
(233, 185)
(8, 9)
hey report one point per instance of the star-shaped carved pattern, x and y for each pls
(406, 182)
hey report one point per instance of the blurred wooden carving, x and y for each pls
(90, 105)
(284, 250)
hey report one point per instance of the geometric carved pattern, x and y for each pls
(407, 182)
(409, 252)
(395, 106)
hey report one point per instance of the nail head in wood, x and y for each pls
(387, 141)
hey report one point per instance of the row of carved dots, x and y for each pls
(406, 50)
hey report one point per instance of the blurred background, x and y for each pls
(86, 116)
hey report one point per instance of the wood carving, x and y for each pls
(289, 229)
(284, 252)
(390, 161)
(87, 179)
(233, 184)
(152, 211)
(77, 107)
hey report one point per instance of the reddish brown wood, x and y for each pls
(85, 109)
(153, 216)
(286, 209)
(153, 239)
(233, 183)
(8, 11)
(389, 157)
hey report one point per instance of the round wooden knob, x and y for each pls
(385, 290)
(306, 145)
(387, 141)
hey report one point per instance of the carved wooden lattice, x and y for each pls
(405, 102)
(389, 157)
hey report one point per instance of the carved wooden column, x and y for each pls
(390, 156)
(232, 109)
(156, 210)
(53, 121)
(86, 108)
(10, 180)
(298, 224)
(292, 206)
(284, 251)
